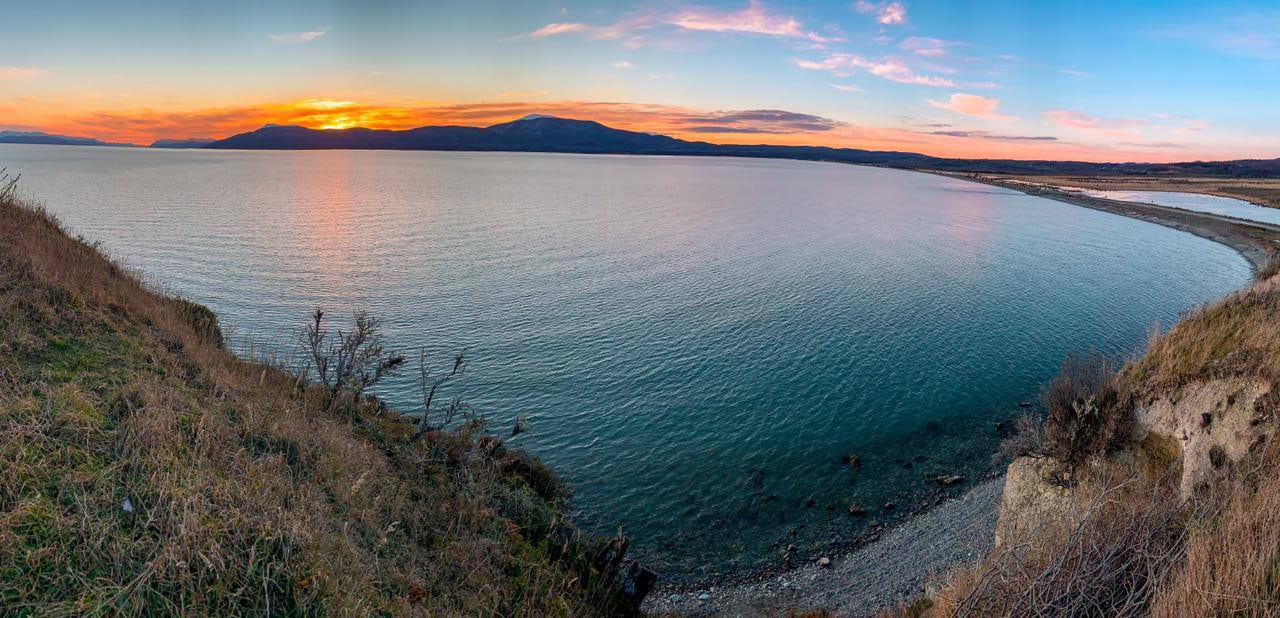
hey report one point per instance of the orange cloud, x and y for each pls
(724, 126)
(972, 105)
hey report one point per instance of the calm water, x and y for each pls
(1213, 204)
(696, 341)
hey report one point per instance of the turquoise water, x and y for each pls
(696, 341)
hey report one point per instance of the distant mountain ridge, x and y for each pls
(541, 133)
(190, 142)
(40, 137)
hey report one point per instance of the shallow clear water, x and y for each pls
(696, 341)
(1198, 202)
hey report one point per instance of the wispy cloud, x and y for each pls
(295, 38)
(17, 73)
(887, 13)
(1115, 128)
(972, 105)
(926, 46)
(846, 87)
(892, 69)
(1073, 72)
(629, 29)
(995, 136)
(523, 94)
(773, 121)
(622, 64)
(754, 19)
(1072, 119)
(1251, 34)
(556, 28)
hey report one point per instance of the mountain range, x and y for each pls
(40, 137)
(538, 133)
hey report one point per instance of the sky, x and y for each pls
(1088, 80)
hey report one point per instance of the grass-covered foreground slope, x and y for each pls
(144, 469)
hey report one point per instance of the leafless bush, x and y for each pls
(430, 385)
(1123, 543)
(8, 185)
(350, 362)
(1085, 413)
(1026, 440)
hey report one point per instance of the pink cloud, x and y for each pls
(925, 46)
(972, 105)
(887, 13)
(753, 19)
(1072, 119)
(628, 30)
(16, 73)
(891, 69)
(556, 29)
(1192, 124)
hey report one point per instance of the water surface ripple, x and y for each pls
(696, 341)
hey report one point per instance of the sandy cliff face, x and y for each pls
(1196, 433)
(1203, 428)
(1029, 499)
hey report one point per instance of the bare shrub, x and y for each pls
(430, 386)
(1026, 440)
(8, 185)
(350, 362)
(1105, 557)
(1085, 412)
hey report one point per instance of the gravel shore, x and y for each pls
(892, 570)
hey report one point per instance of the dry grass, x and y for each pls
(1235, 336)
(1104, 557)
(1231, 565)
(148, 471)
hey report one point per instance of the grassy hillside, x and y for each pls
(144, 469)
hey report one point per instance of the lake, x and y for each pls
(696, 342)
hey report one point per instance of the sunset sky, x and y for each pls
(1094, 80)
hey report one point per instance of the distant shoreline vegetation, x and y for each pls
(538, 133)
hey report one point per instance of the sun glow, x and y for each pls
(340, 122)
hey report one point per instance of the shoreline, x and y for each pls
(896, 567)
(1255, 241)
(870, 578)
